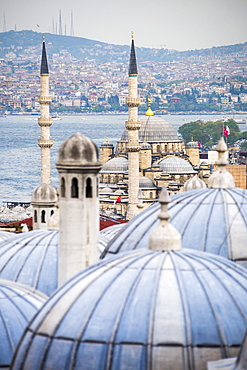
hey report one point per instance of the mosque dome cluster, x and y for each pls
(168, 311)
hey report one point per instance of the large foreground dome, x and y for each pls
(141, 310)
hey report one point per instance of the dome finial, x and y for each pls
(164, 236)
(149, 112)
(221, 178)
(132, 35)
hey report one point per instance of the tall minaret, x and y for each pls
(133, 126)
(45, 121)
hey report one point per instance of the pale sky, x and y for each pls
(172, 24)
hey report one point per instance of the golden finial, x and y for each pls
(132, 35)
(43, 38)
(149, 112)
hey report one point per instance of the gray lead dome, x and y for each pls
(142, 310)
(18, 305)
(78, 150)
(154, 129)
(210, 220)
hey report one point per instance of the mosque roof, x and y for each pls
(176, 165)
(210, 220)
(29, 258)
(18, 304)
(194, 183)
(154, 129)
(169, 307)
(132, 62)
(32, 259)
(145, 182)
(117, 165)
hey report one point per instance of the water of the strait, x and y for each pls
(20, 153)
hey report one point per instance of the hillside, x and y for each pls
(80, 48)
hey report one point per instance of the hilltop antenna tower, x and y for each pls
(60, 23)
(71, 24)
(4, 23)
(53, 27)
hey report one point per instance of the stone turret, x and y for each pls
(45, 121)
(44, 200)
(78, 168)
(133, 126)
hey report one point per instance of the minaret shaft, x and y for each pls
(133, 147)
(45, 121)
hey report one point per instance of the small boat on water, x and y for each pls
(56, 117)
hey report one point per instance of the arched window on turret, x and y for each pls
(52, 212)
(62, 187)
(74, 188)
(89, 190)
(158, 148)
(43, 217)
(35, 216)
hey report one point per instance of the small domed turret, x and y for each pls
(78, 150)
(44, 200)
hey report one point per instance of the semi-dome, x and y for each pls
(192, 144)
(141, 310)
(78, 150)
(44, 193)
(154, 129)
(107, 144)
(145, 182)
(211, 220)
(115, 165)
(18, 305)
(176, 165)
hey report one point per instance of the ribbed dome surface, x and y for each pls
(44, 193)
(78, 150)
(154, 129)
(118, 164)
(5, 235)
(145, 182)
(176, 165)
(142, 310)
(31, 259)
(210, 220)
(18, 304)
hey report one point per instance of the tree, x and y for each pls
(209, 133)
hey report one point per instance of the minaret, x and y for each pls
(45, 121)
(133, 126)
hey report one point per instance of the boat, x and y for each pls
(56, 117)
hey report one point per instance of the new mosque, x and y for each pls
(166, 290)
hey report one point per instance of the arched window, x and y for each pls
(52, 212)
(109, 179)
(74, 188)
(62, 187)
(151, 195)
(43, 217)
(158, 148)
(89, 189)
(35, 216)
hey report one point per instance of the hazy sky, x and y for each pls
(174, 24)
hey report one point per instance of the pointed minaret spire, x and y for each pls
(44, 65)
(45, 121)
(132, 64)
(133, 127)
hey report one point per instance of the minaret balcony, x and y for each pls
(45, 122)
(44, 99)
(133, 125)
(45, 143)
(133, 102)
